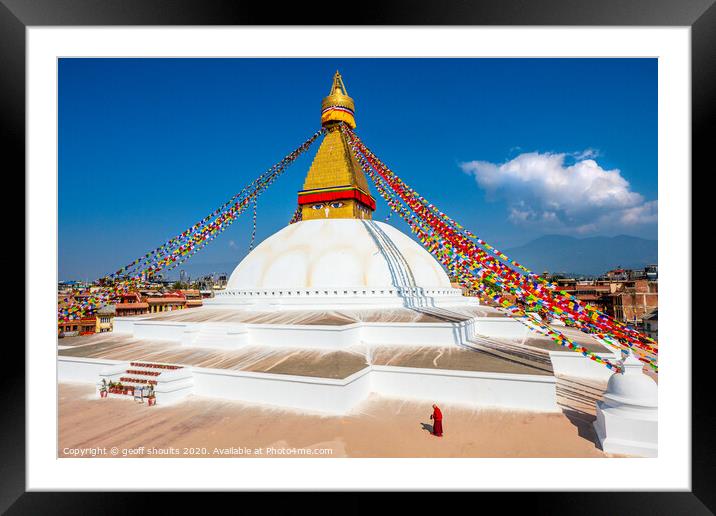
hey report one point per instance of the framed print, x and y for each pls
(422, 252)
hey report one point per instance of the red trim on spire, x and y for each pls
(311, 198)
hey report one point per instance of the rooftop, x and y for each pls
(131, 305)
(107, 310)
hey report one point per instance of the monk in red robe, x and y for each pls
(437, 418)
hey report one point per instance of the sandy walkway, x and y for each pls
(381, 428)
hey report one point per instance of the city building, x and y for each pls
(649, 272)
(594, 292)
(131, 304)
(627, 300)
(635, 299)
(105, 318)
(220, 281)
(651, 324)
(165, 302)
(72, 328)
(652, 272)
(618, 274)
(193, 298)
(213, 281)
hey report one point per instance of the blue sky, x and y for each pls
(511, 148)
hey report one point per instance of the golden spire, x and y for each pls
(338, 88)
(335, 186)
(338, 106)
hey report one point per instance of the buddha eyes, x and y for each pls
(320, 206)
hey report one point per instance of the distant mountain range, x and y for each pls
(587, 256)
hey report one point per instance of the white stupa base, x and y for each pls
(227, 335)
(627, 430)
(535, 393)
(347, 297)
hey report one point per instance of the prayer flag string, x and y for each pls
(78, 305)
(483, 268)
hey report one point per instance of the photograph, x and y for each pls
(357, 257)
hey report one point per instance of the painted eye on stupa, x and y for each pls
(317, 206)
(336, 204)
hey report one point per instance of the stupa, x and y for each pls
(331, 309)
(337, 255)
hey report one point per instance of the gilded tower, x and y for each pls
(335, 186)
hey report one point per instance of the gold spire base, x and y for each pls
(335, 186)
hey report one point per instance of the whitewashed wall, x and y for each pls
(78, 369)
(321, 336)
(499, 327)
(308, 336)
(160, 330)
(299, 392)
(525, 392)
(571, 363)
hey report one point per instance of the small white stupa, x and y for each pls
(627, 418)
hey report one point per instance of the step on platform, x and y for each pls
(171, 382)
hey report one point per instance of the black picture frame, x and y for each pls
(17, 15)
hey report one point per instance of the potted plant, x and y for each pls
(151, 397)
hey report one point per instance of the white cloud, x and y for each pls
(585, 154)
(543, 191)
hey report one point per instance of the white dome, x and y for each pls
(632, 387)
(333, 253)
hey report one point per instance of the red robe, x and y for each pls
(437, 418)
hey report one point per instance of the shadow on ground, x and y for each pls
(578, 400)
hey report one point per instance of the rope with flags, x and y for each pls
(178, 249)
(494, 275)
(253, 229)
(297, 216)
